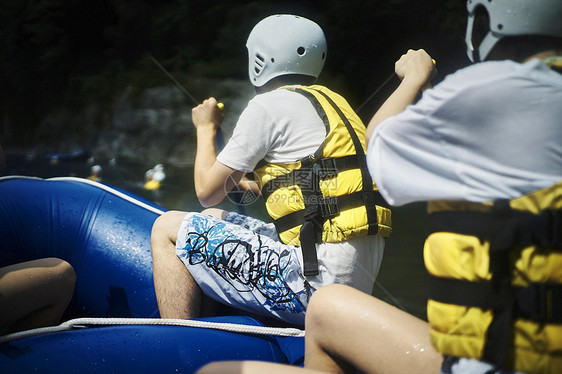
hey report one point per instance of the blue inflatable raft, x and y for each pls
(104, 233)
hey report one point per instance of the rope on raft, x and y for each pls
(80, 323)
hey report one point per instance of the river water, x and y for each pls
(402, 278)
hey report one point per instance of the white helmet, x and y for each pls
(513, 18)
(285, 44)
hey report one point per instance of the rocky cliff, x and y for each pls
(151, 126)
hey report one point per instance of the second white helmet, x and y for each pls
(512, 18)
(285, 44)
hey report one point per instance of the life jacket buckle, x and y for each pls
(541, 302)
(329, 207)
(326, 168)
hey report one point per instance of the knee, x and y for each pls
(215, 212)
(166, 226)
(213, 367)
(161, 223)
(62, 277)
(67, 277)
(60, 269)
(66, 273)
(238, 367)
(327, 305)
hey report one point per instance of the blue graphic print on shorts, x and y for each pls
(247, 261)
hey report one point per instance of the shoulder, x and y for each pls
(274, 95)
(488, 83)
(277, 102)
(494, 71)
(473, 84)
(266, 109)
(476, 73)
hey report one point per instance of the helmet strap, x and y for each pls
(487, 45)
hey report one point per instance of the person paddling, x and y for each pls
(306, 147)
(484, 148)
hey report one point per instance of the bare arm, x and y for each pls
(249, 185)
(213, 180)
(414, 69)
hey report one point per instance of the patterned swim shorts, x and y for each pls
(239, 262)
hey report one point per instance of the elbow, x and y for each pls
(207, 199)
(206, 203)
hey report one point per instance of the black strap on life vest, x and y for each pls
(367, 181)
(507, 230)
(317, 209)
(540, 302)
(329, 207)
(325, 168)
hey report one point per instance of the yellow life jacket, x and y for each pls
(554, 62)
(328, 196)
(496, 280)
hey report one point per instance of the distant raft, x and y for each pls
(104, 233)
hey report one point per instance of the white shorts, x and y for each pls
(455, 365)
(240, 262)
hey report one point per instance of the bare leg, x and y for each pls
(177, 293)
(346, 325)
(348, 329)
(247, 367)
(34, 293)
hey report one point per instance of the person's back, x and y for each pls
(300, 141)
(484, 148)
(491, 118)
(289, 129)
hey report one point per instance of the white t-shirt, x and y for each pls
(277, 126)
(489, 131)
(283, 126)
